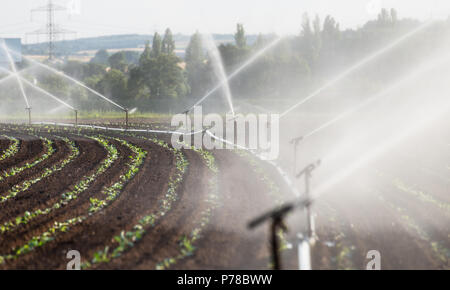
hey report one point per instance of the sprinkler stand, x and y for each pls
(296, 142)
(29, 115)
(126, 119)
(307, 172)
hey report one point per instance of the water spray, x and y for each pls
(219, 68)
(24, 80)
(250, 61)
(357, 66)
(55, 71)
(127, 113)
(19, 81)
(410, 77)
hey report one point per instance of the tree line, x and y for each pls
(158, 80)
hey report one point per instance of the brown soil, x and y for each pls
(350, 221)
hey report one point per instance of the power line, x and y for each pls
(51, 30)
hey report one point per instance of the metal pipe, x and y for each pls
(307, 172)
(277, 223)
(29, 115)
(296, 142)
(126, 119)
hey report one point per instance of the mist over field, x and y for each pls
(90, 162)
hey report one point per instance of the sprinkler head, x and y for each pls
(296, 140)
(280, 212)
(309, 169)
(132, 111)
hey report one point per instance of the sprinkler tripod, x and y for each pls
(304, 246)
(307, 172)
(186, 113)
(126, 118)
(29, 115)
(277, 217)
(296, 142)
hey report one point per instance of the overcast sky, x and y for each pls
(105, 17)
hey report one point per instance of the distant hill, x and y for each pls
(79, 46)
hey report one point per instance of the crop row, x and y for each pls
(111, 193)
(341, 247)
(49, 151)
(420, 195)
(187, 242)
(25, 185)
(439, 250)
(12, 149)
(68, 196)
(274, 189)
(127, 239)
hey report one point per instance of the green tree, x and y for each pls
(156, 46)
(114, 85)
(168, 44)
(196, 65)
(146, 55)
(239, 37)
(101, 57)
(118, 61)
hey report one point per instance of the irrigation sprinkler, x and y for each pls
(29, 115)
(76, 118)
(239, 70)
(128, 112)
(276, 217)
(307, 172)
(126, 118)
(186, 113)
(296, 142)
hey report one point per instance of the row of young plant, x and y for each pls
(68, 196)
(343, 258)
(439, 251)
(186, 243)
(274, 190)
(110, 193)
(49, 151)
(25, 185)
(420, 195)
(12, 149)
(127, 239)
(341, 249)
